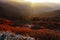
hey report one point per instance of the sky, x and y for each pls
(46, 1)
(36, 1)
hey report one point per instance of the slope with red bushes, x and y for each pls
(35, 33)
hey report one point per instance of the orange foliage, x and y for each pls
(40, 32)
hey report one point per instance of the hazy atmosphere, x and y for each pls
(29, 19)
(29, 9)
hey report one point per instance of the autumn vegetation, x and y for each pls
(42, 33)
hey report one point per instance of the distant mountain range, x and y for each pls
(16, 10)
(55, 13)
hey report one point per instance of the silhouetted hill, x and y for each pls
(55, 13)
(49, 14)
(11, 10)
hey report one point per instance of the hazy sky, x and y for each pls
(37, 1)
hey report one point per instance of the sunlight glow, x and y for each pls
(38, 1)
(43, 1)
